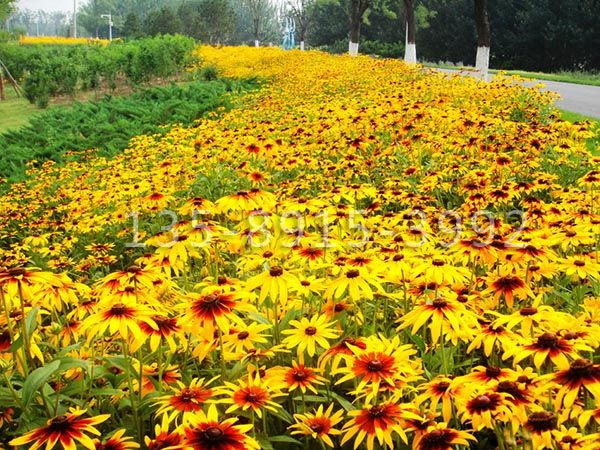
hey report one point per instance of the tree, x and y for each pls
(258, 10)
(6, 8)
(89, 14)
(303, 12)
(482, 24)
(162, 21)
(132, 27)
(410, 48)
(357, 10)
(217, 20)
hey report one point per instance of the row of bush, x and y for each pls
(383, 49)
(50, 70)
(106, 126)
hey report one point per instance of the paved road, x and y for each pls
(577, 98)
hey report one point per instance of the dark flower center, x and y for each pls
(118, 310)
(276, 271)
(528, 311)
(251, 397)
(213, 433)
(186, 395)
(542, 421)
(435, 439)
(352, 273)
(17, 271)
(375, 365)
(317, 427)
(300, 375)
(437, 262)
(443, 386)
(581, 367)
(570, 234)
(534, 268)
(493, 372)
(377, 411)
(439, 303)
(310, 331)
(508, 387)
(210, 298)
(60, 423)
(133, 269)
(267, 254)
(579, 263)
(547, 340)
(523, 379)
(482, 403)
(243, 335)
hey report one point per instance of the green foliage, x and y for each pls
(383, 49)
(162, 21)
(107, 125)
(6, 7)
(211, 21)
(46, 71)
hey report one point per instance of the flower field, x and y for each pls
(361, 254)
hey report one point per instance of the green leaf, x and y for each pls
(30, 320)
(36, 380)
(283, 438)
(342, 401)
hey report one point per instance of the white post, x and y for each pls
(353, 48)
(410, 49)
(302, 45)
(256, 43)
(482, 62)
(110, 24)
(74, 18)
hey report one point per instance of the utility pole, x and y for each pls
(110, 24)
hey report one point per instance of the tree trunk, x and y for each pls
(482, 23)
(410, 49)
(256, 32)
(2, 97)
(355, 20)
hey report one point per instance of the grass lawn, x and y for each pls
(15, 111)
(588, 78)
(593, 143)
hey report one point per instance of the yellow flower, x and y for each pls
(310, 334)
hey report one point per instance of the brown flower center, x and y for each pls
(276, 271)
(548, 340)
(17, 272)
(375, 365)
(352, 273)
(579, 263)
(439, 303)
(59, 423)
(213, 433)
(243, 335)
(310, 331)
(581, 367)
(377, 411)
(317, 427)
(542, 421)
(528, 311)
(493, 372)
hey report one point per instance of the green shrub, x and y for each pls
(49, 70)
(108, 125)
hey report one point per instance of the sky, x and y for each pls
(47, 5)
